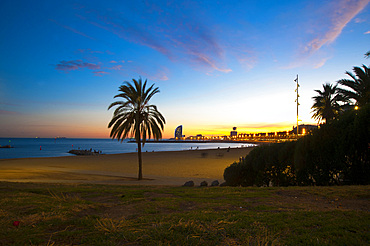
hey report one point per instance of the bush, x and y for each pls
(336, 153)
(265, 165)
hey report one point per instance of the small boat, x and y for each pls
(6, 147)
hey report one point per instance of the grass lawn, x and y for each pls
(65, 214)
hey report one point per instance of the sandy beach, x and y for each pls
(159, 168)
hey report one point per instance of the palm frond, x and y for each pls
(325, 106)
(358, 87)
(367, 54)
(134, 112)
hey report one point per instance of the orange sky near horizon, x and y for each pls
(94, 130)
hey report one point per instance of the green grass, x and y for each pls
(56, 214)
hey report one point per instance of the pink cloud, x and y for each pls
(5, 112)
(160, 74)
(340, 14)
(208, 62)
(100, 73)
(321, 63)
(368, 32)
(176, 36)
(358, 20)
(72, 29)
(112, 61)
(75, 64)
(89, 51)
(117, 67)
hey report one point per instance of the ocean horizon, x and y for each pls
(56, 147)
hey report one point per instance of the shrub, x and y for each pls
(336, 153)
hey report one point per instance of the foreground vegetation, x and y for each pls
(337, 153)
(55, 214)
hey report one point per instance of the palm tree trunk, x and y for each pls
(140, 177)
(138, 141)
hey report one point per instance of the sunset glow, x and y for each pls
(218, 66)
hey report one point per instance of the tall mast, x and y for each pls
(296, 80)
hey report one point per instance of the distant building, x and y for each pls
(281, 134)
(303, 129)
(233, 133)
(178, 132)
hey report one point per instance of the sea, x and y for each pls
(55, 147)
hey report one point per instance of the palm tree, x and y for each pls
(326, 105)
(367, 54)
(135, 116)
(359, 86)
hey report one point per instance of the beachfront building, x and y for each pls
(178, 133)
(197, 137)
(303, 129)
(234, 133)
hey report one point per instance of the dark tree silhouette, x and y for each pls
(358, 87)
(326, 106)
(135, 116)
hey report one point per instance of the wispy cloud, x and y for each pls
(321, 62)
(90, 51)
(9, 104)
(160, 74)
(207, 61)
(100, 73)
(72, 29)
(359, 20)
(179, 35)
(247, 59)
(75, 64)
(117, 67)
(339, 14)
(6, 112)
(368, 32)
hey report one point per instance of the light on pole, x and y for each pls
(296, 90)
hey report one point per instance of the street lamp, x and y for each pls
(296, 80)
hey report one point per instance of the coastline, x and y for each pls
(204, 141)
(34, 148)
(159, 168)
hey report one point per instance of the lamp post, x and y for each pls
(296, 80)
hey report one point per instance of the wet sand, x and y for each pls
(159, 168)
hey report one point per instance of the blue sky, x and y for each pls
(218, 64)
